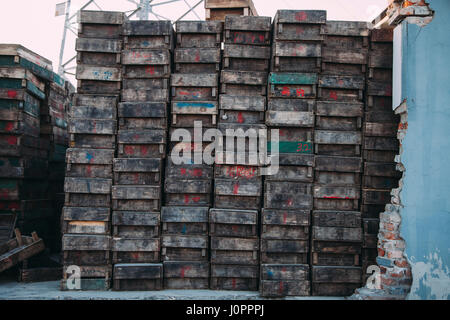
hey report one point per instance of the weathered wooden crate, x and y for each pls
(233, 223)
(347, 33)
(87, 192)
(371, 227)
(89, 163)
(146, 63)
(86, 220)
(338, 164)
(95, 278)
(379, 103)
(280, 280)
(12, 145)
(374, 129)
(236, 194)
(295, 25)
(23, 168)
(24, 125)
(248, 30)
(292, 85)
(382, 114)
(290, 112)
(285, 251)
(372, 210)
(237, 172)
(292, 167)
(197, 60)
(143, 143)
(285, 224)
(7, 222)
(136, 224)
(104, 22)
(187, 275)
(148, 35)
(127, 250)
(188, 171)
(93, 106)
(14, 102)
(136, 197)
(241, 139)
(184, 248)
(138, 277)
(335, 253)
(376, 196)
(290, 140)
(328, 197)
(296, 56)
(338, 219)
(86, 250)
(339, 116)
(185, 113)
(243, 83)
(199, 34)
(98, 52)
(341, 88)
(184, 220)
(137, 171)
(241, 109)
(14, 78)
(149, 93)
(237, 158)
(381, 144)
(181, 192)
(234, 251)
(379, 156)
(142, 115)
(335, 281)
(338, 143)
(98, 80)
(246, 57)
(189, 144)
(24, 210)
(194, 87)
(287, 195)
(234, 277)
(379, 175)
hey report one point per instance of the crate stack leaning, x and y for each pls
(288, 192)
(188, 184)
(138, 168)
(237, 180)
(380, 142)
(219, 9)
(86, 219)
(23, 154)
(336, 237)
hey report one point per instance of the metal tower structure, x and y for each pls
(144, 10)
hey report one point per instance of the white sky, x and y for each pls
(32, 23)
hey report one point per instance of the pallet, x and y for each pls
(186, 275)
(233, 223)
(285, 224)
(280, 280)
(184, 248)
(136, 224)
(134, 250)
(234, 277)
(184, 220)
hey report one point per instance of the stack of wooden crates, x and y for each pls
(219, 9)
(86, 227)
(380, 141)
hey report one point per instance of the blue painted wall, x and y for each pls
(426, 153)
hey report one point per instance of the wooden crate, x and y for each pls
(280, 280)
(341, 88)
(194, 87)
(284, 251)
(187, 192)
(185, 113)
(184, 220)
(338, 143)
(148, 35)
(98, 52)
(234, 277)
(336, 197)
(240, 251)
(132, 250)
(381, 144)
(379, 175)
(89, 163)
(138, 277)
(290, 112)
(379, 156)
(338, 219)
(291, 140)
(137, 171)
(142, 115)
(233, 223)
(339, 116)
(23, 168)
(287, 195)
(7, 223)
(199, 34)
(186, 275)
(143, 143)
(19, 189)
(26, 125)
(236, 194)
(241, 109)
(197, 60)
(17, 102)
(13, 78)
(335, 281)
(184, 248)
(98, 79)
(335, 253)
(22, 145)
(144, 95)
(146, 63)
(85, 220)
(247, 141)
(296, 56)
(246, 57)
(188, 171)
(285, 224)
(136, 197)
(92, 133)
(338, 164)
(87, 192)
(295, 25)
(248, 30)
(237, 172)
(86, 250)
(243, 83)
(374, 129)
(136, 224)
(293, 167)
(376, 196)
(93, 278)
(292, 85)
(94, 106)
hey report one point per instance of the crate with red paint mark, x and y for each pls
(142, 115)
(248, 30)
(241, 109)
(238, 194)
(288, 195)
(184, 220)
(234, 277)
(146, 63)
(138, 277)
(246, 57)
(285, 224)
(186, 275)
(135, 250)
(142, 143)
(233, 223)
(341, 88)
(137, 171)
(280, 280)
(197, 60)
(194, 87)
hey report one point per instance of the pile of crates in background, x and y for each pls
(33, 139)
(380, 141)
(86, 219)
(219, 9)
(138, 168)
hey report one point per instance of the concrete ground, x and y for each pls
(12, 290)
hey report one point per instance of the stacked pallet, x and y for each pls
(380, 141)
(188, 185)
(337, 229)
(219, 9)
(138, 170)
(86, 221)
(25, 79)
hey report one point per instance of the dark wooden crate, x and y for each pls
(290, 112)
(219, 14)
(243, 83)
(135, 224)
(376, 196)
(295, 25)
(86, 250)
(107, 77)
(89, 163)
(184, 220)
(144, 143)
(184, 248)
(287, 195)
(85, 220)
(138, 277)
(148, 35)
(135, 250)
(241, 109)
(241, 251)
(380, 129)
(143, 95)
(23, 145)
(233, 223)
(197, 60)
(136, 197)
(100, 52)
(338, 164)
(335, 281)
(234, 277)
(284, 251)
(247, 30)
(137, 171)
(335, 253)
(280, 280)
(285, 224)
(246, 57)
(24, 168)
(186, 275)
(142, 115)
(199, 34)
(93, 278)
